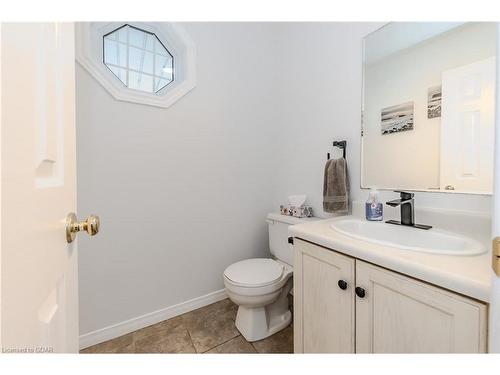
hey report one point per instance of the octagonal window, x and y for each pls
(138, 59)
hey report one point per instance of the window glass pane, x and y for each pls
(139, 38)
(150, 42)
(115, 53)
(140, 81)
(161, 83)
(138, 59)
(164, 66)
(121, 34)
(120, 73)
(160, 48)
(147, 66)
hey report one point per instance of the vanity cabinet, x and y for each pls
(324, 313)
(402, 315)
(388, 313)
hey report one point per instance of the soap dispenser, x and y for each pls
(373, 207)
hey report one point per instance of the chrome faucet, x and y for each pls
(407, 205)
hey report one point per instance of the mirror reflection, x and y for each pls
(428, 107)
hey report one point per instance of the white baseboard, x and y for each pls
(127, 326)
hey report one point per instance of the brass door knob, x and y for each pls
(73, 226)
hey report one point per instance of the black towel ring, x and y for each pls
(340, 144)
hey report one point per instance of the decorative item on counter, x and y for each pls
(373, 207)
(296, 206)
(302, 211)
(285, 210)
(297, 200)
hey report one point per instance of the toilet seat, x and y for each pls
(254, 273)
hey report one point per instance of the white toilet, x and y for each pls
(260, 286)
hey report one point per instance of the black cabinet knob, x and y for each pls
(290, 240)
(342, 284)
(360, 292)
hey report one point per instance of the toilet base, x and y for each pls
(253, 326)
(257, 323)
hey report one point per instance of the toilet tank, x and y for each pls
(278, 235)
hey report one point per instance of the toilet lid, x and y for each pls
(254, 272)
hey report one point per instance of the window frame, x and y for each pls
(90, 55)
(129, 69)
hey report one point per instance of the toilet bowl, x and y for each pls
(262, 296)
(260, 286)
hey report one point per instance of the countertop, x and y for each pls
(467, 275)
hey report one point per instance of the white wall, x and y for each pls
(320, 87)
(321, 91)
(411, 159)
(182, 192)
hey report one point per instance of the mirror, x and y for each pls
(429, 107)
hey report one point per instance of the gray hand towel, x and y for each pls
(336, 187)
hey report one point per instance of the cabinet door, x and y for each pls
(399, 314)
(323, 312)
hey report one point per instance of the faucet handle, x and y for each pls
(405, 195)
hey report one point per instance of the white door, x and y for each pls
(323, 305)
(494, 313)
(467, 127)
(39, 296)
(398, 314)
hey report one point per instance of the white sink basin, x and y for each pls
(430, 241)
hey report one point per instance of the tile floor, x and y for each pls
(210, 329)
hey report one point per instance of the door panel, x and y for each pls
(468, 126)
(402, 315)
(39, 268)
(324, 313)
